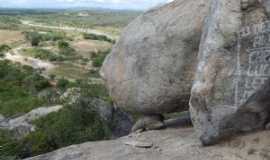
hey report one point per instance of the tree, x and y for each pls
(63, 45)
(34, 38)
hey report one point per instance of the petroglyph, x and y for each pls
(253, 60)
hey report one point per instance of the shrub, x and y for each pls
(92, 36)
(65, 49)
(99, 58)
(35, 38)
(63, 44)
(62, 83)
(4, 48)
(43, 54)
(2, 55)
(9, 148)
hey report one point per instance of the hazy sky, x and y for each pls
(114, 4)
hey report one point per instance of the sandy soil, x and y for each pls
(8, 37)
(85, 47)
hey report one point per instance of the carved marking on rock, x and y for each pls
(253, 68)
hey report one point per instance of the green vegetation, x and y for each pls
(70, 71)
(42, 54)
(65, 53)
(72, 125)
(22, 88)
(62, 83)
(76, 123)
(91, 19)
(65, 49)
(35, 37)
(99, 57)
(9, 22)
(18, 87)
(92, 36)
(3, 48)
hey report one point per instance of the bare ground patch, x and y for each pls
(88, 47)
(9, 37)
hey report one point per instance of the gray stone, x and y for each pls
(267, 126)
(170, 144)
(22, 125)
(151, 68)
(149, 122)
(232, 67)
(139, 144)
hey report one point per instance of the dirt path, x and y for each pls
(15, 56)
(66, 28)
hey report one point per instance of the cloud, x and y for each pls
(115, 4)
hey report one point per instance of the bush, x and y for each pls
(65, 49)
(63, 44)
(92, 36)
(8, 146)
(35, 38)
(99, 58)
(62, 83)
(4, 48)
(2, 55)
(43, 54)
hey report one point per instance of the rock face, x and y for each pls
(170, 144)
(151, 68)
(233, 66)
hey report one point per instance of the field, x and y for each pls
(10, 37)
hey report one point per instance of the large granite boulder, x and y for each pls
(227, 95)
(151, 68)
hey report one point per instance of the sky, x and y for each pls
(113, 4)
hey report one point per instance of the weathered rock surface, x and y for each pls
(22, 125)
(151, 68)
(233, 65)
(170, 144)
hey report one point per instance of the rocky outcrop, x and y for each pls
(214, 53)
(151, 68)
(170, 144)
(22, 125)
(233, 66)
